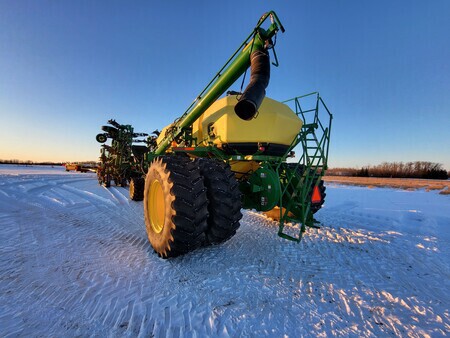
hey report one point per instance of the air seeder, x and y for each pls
(224, 154)
(123, 161)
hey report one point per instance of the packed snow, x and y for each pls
(75, 261)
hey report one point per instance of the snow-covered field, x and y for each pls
(75, 261)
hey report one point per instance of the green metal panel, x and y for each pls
(262, 190)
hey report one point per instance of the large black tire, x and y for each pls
(224, 200)
(175, 206)
(137, 185)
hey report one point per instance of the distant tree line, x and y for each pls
(418, 169)
(341, 171)
(28, 162)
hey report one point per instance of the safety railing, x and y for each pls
(299, 178)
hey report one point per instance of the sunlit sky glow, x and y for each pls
(66, 67)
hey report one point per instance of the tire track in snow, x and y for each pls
(117, 195)
(87, 215)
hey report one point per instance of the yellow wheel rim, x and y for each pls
(131, 188)
(156, 206)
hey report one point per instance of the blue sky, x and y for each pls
(66, 67)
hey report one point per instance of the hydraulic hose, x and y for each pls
(254, 93)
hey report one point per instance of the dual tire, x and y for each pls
(189, 203)
(224, 200)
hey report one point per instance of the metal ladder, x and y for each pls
(314, 139)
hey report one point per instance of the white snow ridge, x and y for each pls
(75, 261)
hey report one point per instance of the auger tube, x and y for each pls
(255, 92)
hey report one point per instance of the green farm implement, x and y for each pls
(123, 161)
(234, 151)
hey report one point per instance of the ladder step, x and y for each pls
(286, 236)
(310, 125)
